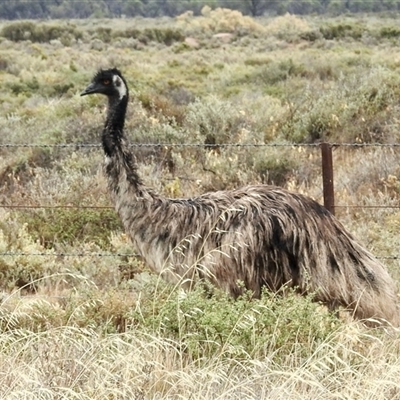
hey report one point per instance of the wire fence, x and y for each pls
(332, 146)
(61, 254)
(86, 254)
(201, 145)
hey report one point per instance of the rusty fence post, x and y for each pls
(327, 177)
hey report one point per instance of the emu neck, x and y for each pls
(114, 126)
(120, 166)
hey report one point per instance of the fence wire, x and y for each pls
(67, 254)
(56, 207)
(157, 145)
(201, 145)
(99, 254)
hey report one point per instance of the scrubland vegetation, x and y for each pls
(81, 316)
(19, 9)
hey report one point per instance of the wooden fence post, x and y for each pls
(327, 177)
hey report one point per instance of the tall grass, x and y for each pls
(80, 363)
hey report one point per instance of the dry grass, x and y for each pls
(81, 327)
(74, 363)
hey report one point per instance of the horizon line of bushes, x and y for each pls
(41, 33)
(40, 9)
(44, 33)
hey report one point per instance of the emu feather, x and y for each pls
(260, 235)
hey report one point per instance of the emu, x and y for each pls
(253, 237)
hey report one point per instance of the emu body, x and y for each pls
(260, 235)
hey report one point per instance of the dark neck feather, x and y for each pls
(113, 132)
(122, 165)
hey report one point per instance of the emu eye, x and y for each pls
(106, 82)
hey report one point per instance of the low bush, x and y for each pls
(19, 269)
(25, 87)
(71, 225)
(389, 32)
(354, 109)
(36, 32)
(220, 20)
(218, 325)
(290, 28)
(279, 71)
(200, 325)
(341, 31)
(167, 36)
(214, 121)
(275, 170)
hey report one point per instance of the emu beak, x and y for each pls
(89, 90)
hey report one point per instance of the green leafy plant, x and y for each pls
(71, 225)
(209, 325)
(27, 30)
(342, 30)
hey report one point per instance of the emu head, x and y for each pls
(109, 82)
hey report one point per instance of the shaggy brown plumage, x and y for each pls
(260, 235)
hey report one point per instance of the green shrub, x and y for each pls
(71, 225)
(289, 27)
(257, 61)
(275, 170)
(104, 311)
(341, 30)
(273, 73)
(32, 86)
(163, 107)
(310, 36)
(200, 324)
(21, 170)
(18, 31)
(389, 32)
(208, 326)
(214, 121)
(103, 34)
(18, 269)
(45, 33)
(168, 36)
(24, 86)
(354, 109)
(35, 32)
